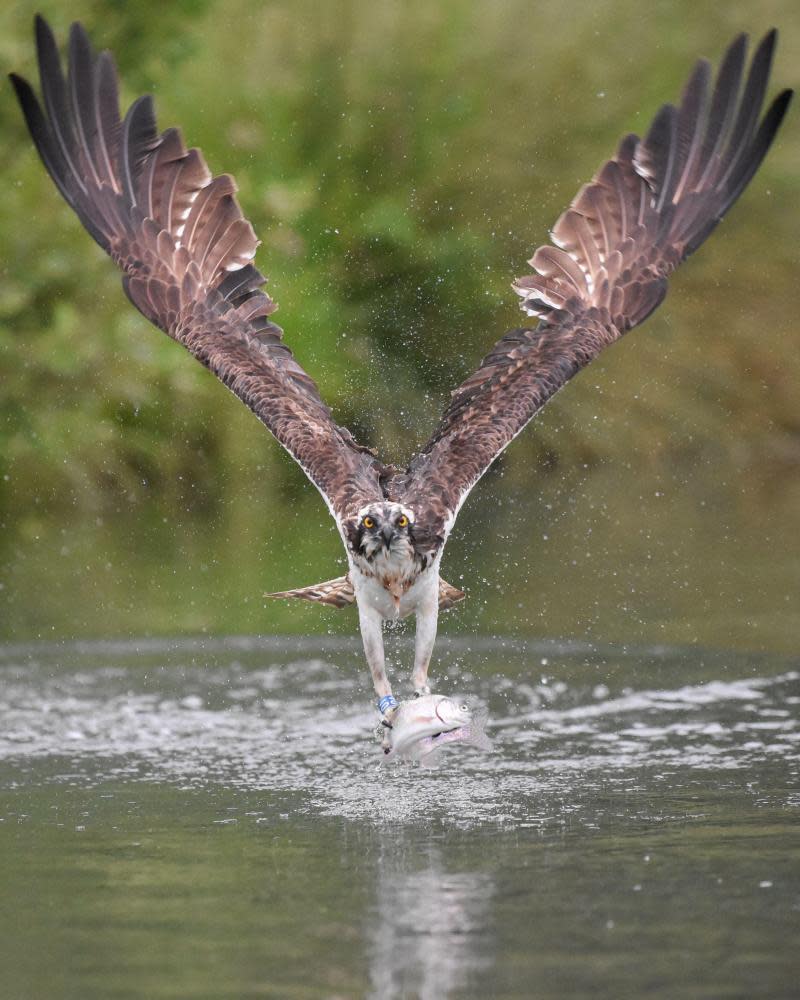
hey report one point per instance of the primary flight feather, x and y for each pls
(186, 253)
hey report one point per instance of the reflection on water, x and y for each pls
(427, 934)
(227, 801)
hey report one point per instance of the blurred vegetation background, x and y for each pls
(400, 162)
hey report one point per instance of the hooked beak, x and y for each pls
(388, 536)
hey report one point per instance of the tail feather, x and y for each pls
(449, 595)
(337, 593)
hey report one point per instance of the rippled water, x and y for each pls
(214, 819)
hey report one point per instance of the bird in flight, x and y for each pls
(186, 253)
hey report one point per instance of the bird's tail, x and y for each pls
(449, 595)
(339, 593)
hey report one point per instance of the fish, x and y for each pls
(428, 750)
(422, 726)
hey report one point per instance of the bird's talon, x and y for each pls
(383, 728)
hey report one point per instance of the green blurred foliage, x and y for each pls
(400, 162)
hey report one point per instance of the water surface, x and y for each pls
(213, 819)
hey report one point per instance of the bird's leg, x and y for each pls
(427, 616)
(371, 622)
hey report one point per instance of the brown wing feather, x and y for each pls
(185, 249)
(644, 212)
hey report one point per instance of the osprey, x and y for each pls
(186, 253)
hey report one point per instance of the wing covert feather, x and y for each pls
(643, 213)
(186, 251)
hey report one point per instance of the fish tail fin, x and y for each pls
(449, 595)
(337, 593)
(477, 738)
(475, 733)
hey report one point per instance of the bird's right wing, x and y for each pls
(644, 212)
(179, 236)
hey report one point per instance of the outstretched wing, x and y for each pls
(186, 250)
(644, 212)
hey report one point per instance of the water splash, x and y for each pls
(284, 716)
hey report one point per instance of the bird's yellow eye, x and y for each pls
(402, 521)
(368, 522)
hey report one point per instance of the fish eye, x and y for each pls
(402, 521)
(368, 522)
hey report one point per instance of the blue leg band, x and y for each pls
(386, 702)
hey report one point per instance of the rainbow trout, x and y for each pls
(423, 726)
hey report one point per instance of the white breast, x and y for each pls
(392, 585)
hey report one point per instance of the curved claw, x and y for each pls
(387, 706)
(382, 731)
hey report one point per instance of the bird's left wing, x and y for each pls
(644, 212)
(179, 236)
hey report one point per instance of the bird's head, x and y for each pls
(381, 527)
